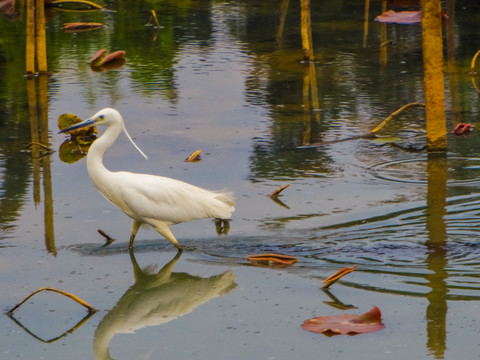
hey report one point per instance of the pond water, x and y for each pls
(229, 78)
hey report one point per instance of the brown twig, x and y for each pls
(390, 117)
(29, 145)
(71, 296)
(109, 239)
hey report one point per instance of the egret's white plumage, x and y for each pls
(148, 199)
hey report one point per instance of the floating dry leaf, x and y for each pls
(81, 26)
(335, 277)
(272, 259)
(194, 157)
(346, 324)
(117, 55)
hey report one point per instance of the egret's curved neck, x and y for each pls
(95, 165)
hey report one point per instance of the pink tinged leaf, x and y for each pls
(346, 324)
(401, 17)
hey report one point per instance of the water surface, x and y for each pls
(222, 77)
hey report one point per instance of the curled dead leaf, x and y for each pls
(462, 129)
(275, 193)
(271, 259)
(346, 324)
(194, 157)
(335, 277)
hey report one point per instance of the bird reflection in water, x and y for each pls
(157, 298)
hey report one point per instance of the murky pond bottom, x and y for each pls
(226, 79)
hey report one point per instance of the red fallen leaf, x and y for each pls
(117, 55)
(346, 324)
(98, 57)
(272, 259)
(462, 129)
(401, 17)
(80, 26)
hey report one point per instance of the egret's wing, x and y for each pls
(169, 200)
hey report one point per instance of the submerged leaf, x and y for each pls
(385, 140)
(346, 324)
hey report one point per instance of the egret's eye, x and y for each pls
(101, 116)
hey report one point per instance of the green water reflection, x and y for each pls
(230, 78)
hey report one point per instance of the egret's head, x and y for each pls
(106, 117)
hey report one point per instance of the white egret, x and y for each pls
(148, 199)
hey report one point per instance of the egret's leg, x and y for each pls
(135, 226)
(164, 230)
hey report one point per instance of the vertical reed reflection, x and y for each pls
(365, 23)
(46, 165)
(437, 256)
(38, 111)
(383, 38)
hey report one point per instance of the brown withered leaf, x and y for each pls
(98, 57)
